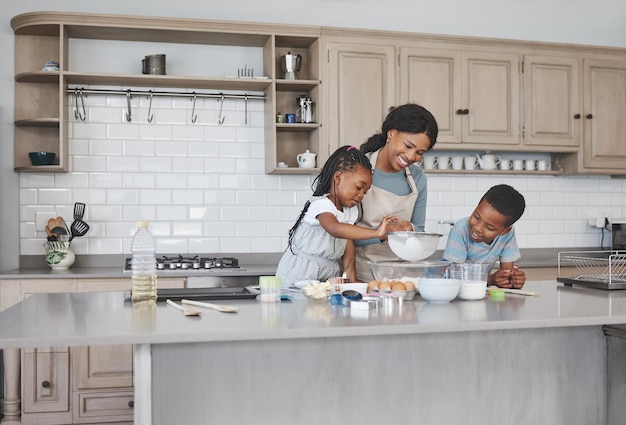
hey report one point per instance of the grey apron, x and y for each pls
(377, 204)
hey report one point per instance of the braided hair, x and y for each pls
(346, 158)
(407, 118)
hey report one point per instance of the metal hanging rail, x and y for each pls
(165, 93)
(80, 92)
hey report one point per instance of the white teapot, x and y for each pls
(306, 159)
(488, 162)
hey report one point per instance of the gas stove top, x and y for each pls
(190, 262)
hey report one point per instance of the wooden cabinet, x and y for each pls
(473, 95)
(61, 385)
(604, 127)
(360, 90)
(552, 103)
(41, 99)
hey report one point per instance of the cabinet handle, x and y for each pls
(465, 111)
(589, 116)
(459, 111)
(577, 116)
(45, 384)
(131, 404)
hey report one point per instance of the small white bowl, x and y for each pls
(439, 290)
(472, 290)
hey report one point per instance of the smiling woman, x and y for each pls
(399, 184)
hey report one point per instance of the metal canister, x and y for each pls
(304, 109)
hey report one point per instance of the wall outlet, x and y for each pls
(600, 221)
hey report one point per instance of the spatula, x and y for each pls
(186, 311)
(222, 308)
(79, 228)
(79, 211)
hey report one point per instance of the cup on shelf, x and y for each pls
(530, 165)
(429, 162)
(518, 164)
(457, 162)
(470, 162)
(505, 164)
(443, 162)
(544, 165)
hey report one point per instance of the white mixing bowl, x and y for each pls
(413, 246)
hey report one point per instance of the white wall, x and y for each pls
(245, 210)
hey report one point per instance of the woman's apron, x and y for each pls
(377, 204)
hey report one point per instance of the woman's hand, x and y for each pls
(400, 226)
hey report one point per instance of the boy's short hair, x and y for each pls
(507, 201)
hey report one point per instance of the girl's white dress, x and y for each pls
(316, 253)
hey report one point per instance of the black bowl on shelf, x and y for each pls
(41, 158)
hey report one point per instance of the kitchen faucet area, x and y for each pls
(209, 126)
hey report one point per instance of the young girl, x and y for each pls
(325, 226)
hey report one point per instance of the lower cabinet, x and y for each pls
(74, 385)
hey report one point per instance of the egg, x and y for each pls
(385, 285)
(410, 286)
(398, 286)
(373, 284)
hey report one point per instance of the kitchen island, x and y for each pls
(525, 360)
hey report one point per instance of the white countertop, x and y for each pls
(105, 318)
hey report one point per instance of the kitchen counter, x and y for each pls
(465, 362)
(110, 266)
(104, 318)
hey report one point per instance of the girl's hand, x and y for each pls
(384, 226)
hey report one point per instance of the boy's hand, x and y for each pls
(508, 278)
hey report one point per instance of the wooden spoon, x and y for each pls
(186, 311)
(222, 308)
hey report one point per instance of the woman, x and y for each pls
(399, 185)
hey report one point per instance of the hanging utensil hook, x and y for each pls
(82, 115)
(77, 112)
(150, 116)
(220, 118)
(194, 116)
(129, 113)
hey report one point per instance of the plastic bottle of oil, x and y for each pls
(143, 265)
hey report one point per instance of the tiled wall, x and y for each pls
(203, 188)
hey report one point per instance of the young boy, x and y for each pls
(487, 236)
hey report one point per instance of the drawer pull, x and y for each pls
(131, 404)
(45, 384)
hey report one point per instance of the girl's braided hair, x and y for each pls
(346, 158)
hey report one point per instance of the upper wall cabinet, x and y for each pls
(604, 119)
(41, 99)
(473, 95)
(552, 103)
(360, 90)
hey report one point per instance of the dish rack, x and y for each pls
(596, 269)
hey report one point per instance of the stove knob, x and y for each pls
(172, 266)
(160, 266)
(184, 266)
(196, 265)
(207, 264)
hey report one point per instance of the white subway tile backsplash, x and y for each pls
(188, 165)
(187, 197)
(153, 164)
(203, 188)
(204, 213)
(187, 229)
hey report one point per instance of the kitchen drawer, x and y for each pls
(100, 407)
